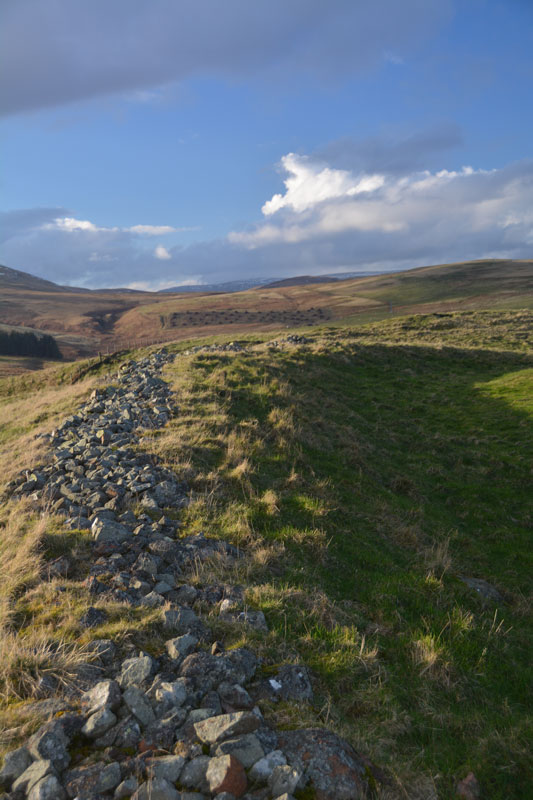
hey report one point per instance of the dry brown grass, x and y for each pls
(38, 412)
(26, 659)
(20, 561)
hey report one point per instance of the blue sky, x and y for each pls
(143, 141)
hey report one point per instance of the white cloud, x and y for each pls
(71, 225)
(152, 230)
(308, 184)
(162, 253)
(320, 201)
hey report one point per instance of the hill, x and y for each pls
(85, 322)
(376, 479)
(16, 279)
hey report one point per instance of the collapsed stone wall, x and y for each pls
(185, 724)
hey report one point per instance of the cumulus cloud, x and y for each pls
(321, 201)
(69, 50)
(308, 184)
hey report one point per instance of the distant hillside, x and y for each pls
(88, 321)
(302, 280)
(16, 279)
(264, 283)
(228, 286)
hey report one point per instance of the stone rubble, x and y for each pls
(185, 725)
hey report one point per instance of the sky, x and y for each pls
(152, 143)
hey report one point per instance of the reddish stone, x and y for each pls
(226, 774)
(334, 769)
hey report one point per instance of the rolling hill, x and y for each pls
(85, 322)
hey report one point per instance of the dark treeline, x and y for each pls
(18, 343)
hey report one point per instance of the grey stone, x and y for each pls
(128, 733)
(181, 620)
(194, 773)
(98, 723)
(255, 619)
(153, 600)
(167, 767)
(192, 796)
(110, 777)
(199, 714)
(181, 646)
(295, 683)
(166, 494)
(105, 530)
(33, 774)
(162, 587)
(262, 769)
(126, 788)
(104, 694)
(135, 671)
(231, 694)
(335, 770)
(47, 788)
(226, 726)
(246, 748)
(91, 779)
(161, 734)
(15, 763)
(186, 594)
(156, 789)
(284, 779)
(139, 705)
(166, 577)
(171, 694)
(50, 743)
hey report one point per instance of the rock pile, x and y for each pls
(227, 347)
(187, 724)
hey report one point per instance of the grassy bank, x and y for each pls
(366, 479)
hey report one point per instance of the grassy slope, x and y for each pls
(444, 287)
(365, 473)
(384, 471)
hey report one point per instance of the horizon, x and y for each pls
(151, 145)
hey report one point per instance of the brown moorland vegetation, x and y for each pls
(86, 322)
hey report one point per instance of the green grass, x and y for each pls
(365, 473)
(382, 472)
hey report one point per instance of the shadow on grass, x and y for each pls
(413, 464)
